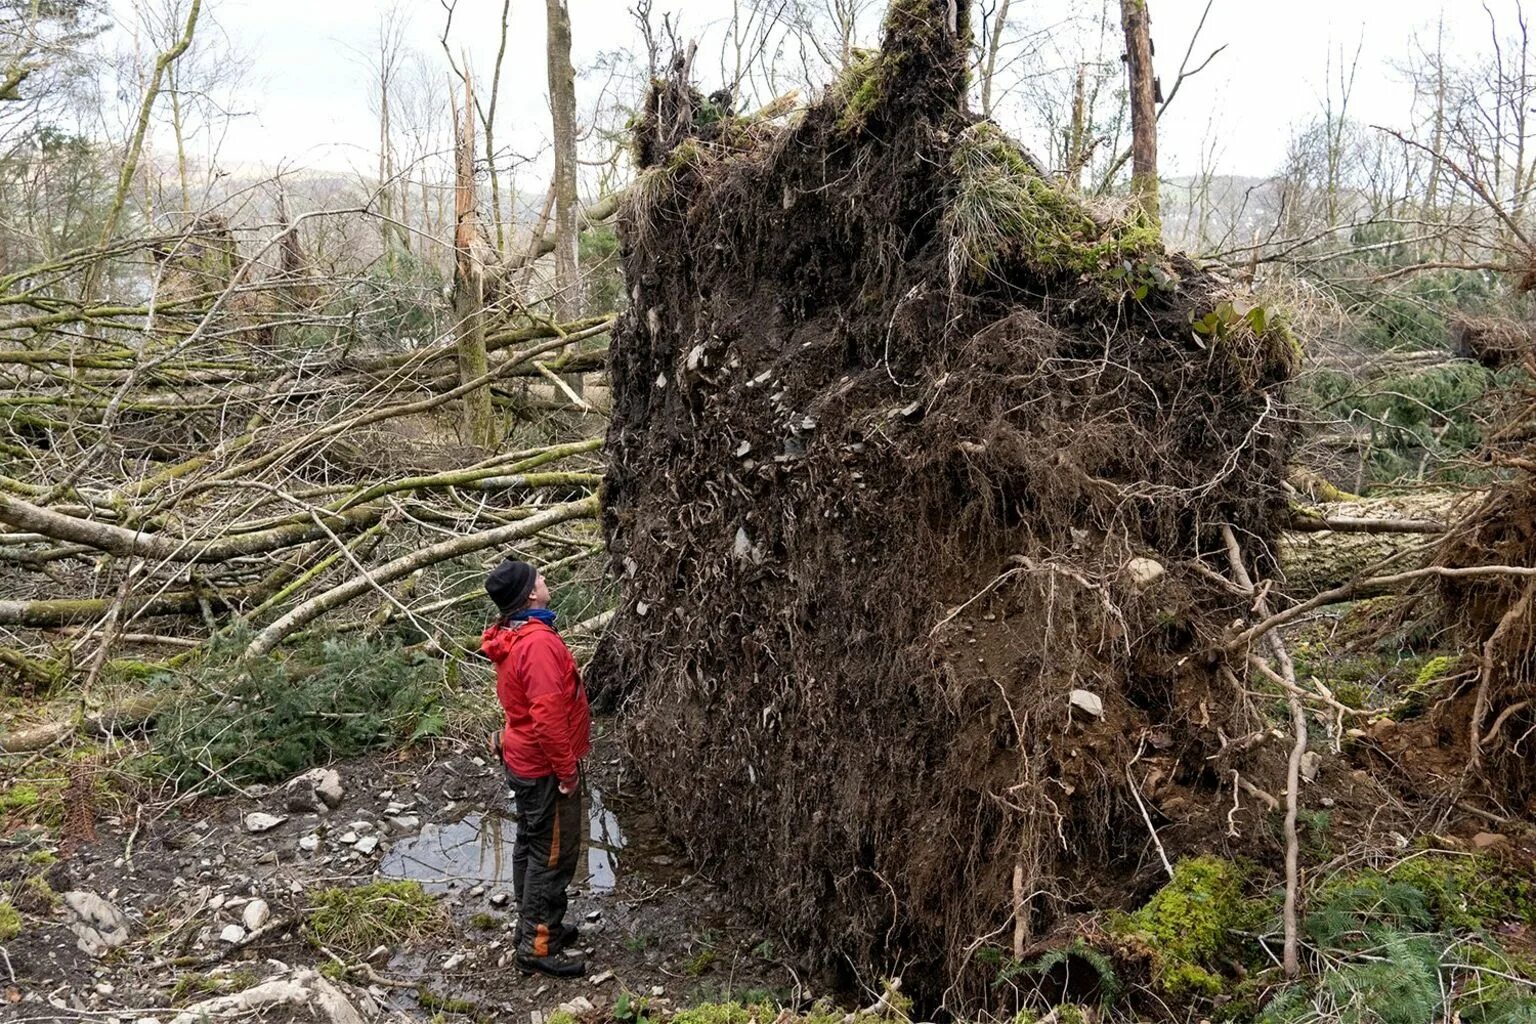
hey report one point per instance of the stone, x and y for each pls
(453, 961)
(256, 914)
(303, 990)
(605, 976)
(579, 1006)
(1311, 761)
(362, 826)
(500, 899)
(327, 783)
(261, 821)
(232, 934)
(1143, 572)
(349, 837)
(403, 823)
(1088, 701)
(267, 857)
(98, 925)
(309, 843)
(1488, 840)
(367, 845)
(594, 915)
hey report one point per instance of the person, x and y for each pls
(548, 731)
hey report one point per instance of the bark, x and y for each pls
(479, 416)
(1143, 91)
(562, 101)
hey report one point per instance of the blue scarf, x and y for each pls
(543, 615)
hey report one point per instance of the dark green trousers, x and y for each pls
(543, 859)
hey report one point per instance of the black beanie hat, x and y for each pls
(510, 583)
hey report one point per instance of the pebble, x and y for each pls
(260, 821)
(478, 890)
(453, 961)
(256, 914)
(362, 826)
(405, 823)
(348, 837)
(104, 988)
(605, 976)
(658, 991)
(500, 899)
(267, 857)
(232, 934)
(217, 902)
(367, 845)
(310, 843)
(594, 915)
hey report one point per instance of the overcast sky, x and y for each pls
(308, 94)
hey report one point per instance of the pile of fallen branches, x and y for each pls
(251, 449)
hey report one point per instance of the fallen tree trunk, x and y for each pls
(339, 595)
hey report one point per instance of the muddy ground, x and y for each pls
(184, 877)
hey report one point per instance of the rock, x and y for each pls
(98, 925)
(605, 976)
(1088, 701)
(216, 902)
(1143, 572)
(318, 786)
(594, 915)
(260, 821)
(453, 961)
(1488, 840)
(304, 990)
(349, 837)
(309, 843)
(1311, 761)
(104, 988)
(579, 1006)
(362, 826)
(267, 857)
(256, 914)
(403, 823)
(367, 845)
(657, 991)
(232, 934)
(499, 899)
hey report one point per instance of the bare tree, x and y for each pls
(562, 102)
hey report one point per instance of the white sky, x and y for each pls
(308, 88)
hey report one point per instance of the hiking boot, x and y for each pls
(554, 966)
(567, 936)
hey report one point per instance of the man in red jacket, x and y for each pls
(548, 731)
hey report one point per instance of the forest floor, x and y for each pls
(184, 876)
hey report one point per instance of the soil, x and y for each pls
(183, 872)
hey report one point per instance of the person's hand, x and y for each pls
(568, 786)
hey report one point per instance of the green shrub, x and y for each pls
(267, 720)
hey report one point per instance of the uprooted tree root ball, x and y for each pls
(912, 463)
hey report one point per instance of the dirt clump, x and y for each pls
(917, 472)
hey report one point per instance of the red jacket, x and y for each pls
(549, 726)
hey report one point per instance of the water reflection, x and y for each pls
(477, 850)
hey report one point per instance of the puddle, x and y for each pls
(477, 850)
